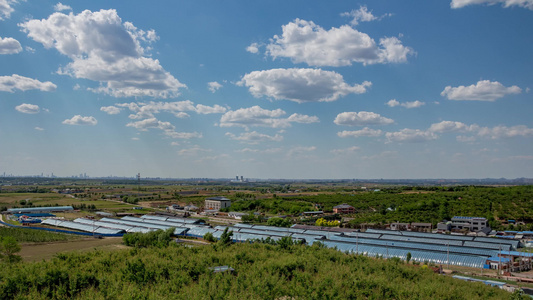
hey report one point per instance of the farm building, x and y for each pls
(343, 209)
(28, 210)
(217, 203)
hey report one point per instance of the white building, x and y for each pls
(217, 203)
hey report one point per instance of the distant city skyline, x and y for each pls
(278, 89)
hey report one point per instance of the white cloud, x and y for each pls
(146, 110)
(79, 120)
(257, 116)
(255, 137)
(359, 133)
(305, 42)
(135, 139)
(361, 118)
(451, 126)
(167, 128)
(6, 9)
(253, 48)
(145, 124)
(17, 82)
(412, 104)
(213, 86)
(483, 90)
(298, 118)
(39, 129)
(61, 7)
(393, 103)
(9, 46)
(300, 85)
(345, 151)
(410, 136)
(111, 110)
(104, 49)
(28, 108)
(204, 109)
(505, 132)
(183, 135)
(505, 3)
(360, 15)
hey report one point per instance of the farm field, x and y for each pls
(45, 251)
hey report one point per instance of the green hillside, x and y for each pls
(261, 272)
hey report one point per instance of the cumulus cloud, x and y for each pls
(362, 118)
(300, 85)
(79, 120)
(412, 104)
(39, 129)
(359, 133)
(17, 82)
(104, 49)
(253, 48)
(28, 108)
(144, 125)
(305, 42)
(500, 131)
(61, 7)
(254, 137)
(360, 15)
(257, 116)
(111, 110)
(9, 46)
(451, 126)
(345, 151)
(261, 151)
(6, 9)
(393, 103)
(146, 110)
(411, 136)
(167, 128)
(505, 3)
(213, 86)
(483, 90)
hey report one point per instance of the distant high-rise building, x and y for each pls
(242, 178)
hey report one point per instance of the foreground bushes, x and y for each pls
(262, 271)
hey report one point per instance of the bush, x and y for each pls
(209, 237)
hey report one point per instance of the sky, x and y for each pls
(267, 89)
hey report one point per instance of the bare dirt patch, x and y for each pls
(38, 252)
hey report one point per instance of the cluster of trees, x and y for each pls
(279, 222)
(262, 271)
(8, 248)
(130, 200)
(412, 204)
(160, 238)
(325, 223)
(84, 206)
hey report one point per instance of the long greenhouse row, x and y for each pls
(434, 248)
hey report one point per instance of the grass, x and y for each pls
(23, 235)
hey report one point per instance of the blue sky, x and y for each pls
(273, 89)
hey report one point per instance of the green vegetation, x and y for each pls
(8, 248)
(262, 271)
(279, 222)
(159, 238)
(23, 235)
(412, 204)
(325, 223)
